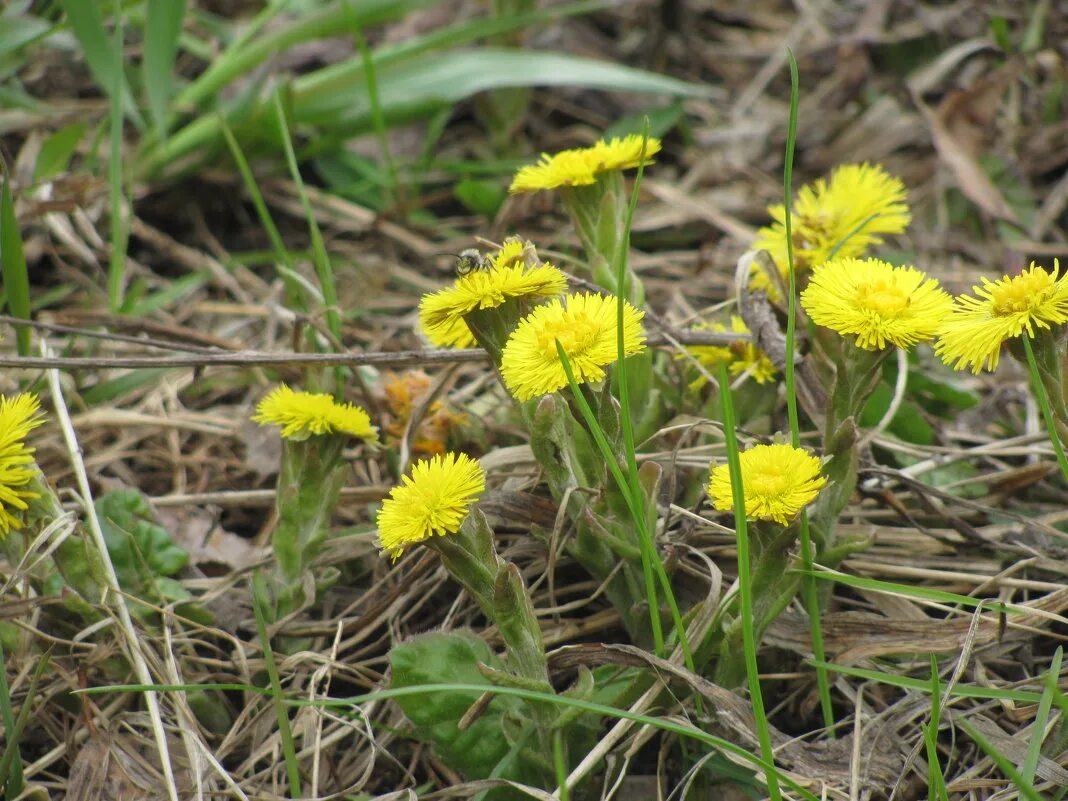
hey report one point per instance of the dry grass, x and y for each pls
(916, 87)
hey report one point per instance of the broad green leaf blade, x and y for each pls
(57, 150)
(422, 85)
(163, 26)
(13, 262)
(19, 30)
(105, 65)
(453, 657)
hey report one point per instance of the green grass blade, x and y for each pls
(12, 780)
(927, 593)
(650, 558)
(104, 56)
(118, 233)
(936, 782)
(808, 584)
(671, 725)
(285, 733)
(252, 48)
(323, 268)
(14, 734)
(13, 264)
(163, 29)
(377, 118)
(1026, 788)
(745, 589)
(1034, 748)
(634, 505)
(922, 685)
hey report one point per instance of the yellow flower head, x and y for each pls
(972, 335)
(585, 324)
(740, 356)
(877, 303)
(18, 417)
(779, 481)
(303, 414)
(441, 314)
(843, 216)
(580, 166)
(432, 502)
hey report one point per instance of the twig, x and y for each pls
(252, 358)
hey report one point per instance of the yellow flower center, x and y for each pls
(768, 485)
(575, 335)
(1023, 293)
(884, 298)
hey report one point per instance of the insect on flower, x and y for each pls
(471, 260)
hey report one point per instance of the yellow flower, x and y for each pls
(877, 303)
(441, 314)
(432, 502)
(580, 166)
(18, 417)
(779, 481)
(843, 216)
(976, 327)
(739, 356)
(302, 414)
(586, 327)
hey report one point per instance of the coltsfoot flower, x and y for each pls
(972, 335)
(843, 217)
(779, 481)
(18, 417)
(433, 502)
(739, 356)
(876, 302)
(303, 414)
(441, 314)
(580, 166)
(585, 325)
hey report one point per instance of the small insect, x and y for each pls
(471, 260)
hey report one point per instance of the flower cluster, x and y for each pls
(18, 417)
(740, 356)
(972, 335)
(842, 216)
(304, 414)
(432, 502)
(585, 326)
(875, 302)
(581, 166)
(441, 314)
(778, 482)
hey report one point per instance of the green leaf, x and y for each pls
(908, 422)
(453, 657)
(141, 550)
(57, 150)
(480, 197)
(418, 86)
(163, 27)
(13, 264)
(661, 121)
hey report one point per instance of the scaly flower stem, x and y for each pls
(498, 589)
(309, 483)
(1046, 379)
